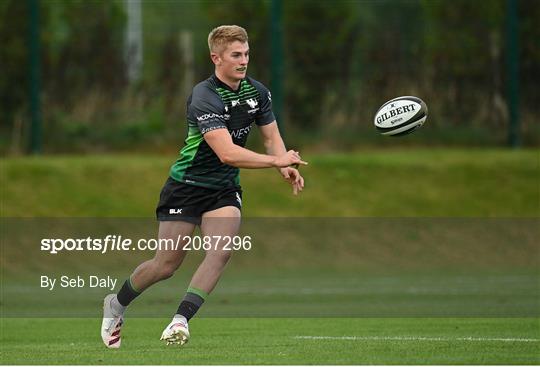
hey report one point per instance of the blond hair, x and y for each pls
(223, 35)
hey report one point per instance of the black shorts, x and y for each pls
(183, 202)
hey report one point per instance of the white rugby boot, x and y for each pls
(111, 324)
(177, 332)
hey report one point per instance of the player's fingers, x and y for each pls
(295, 154)
(293, 173)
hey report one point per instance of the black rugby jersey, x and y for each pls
(214, 105)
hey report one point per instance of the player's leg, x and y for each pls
(162, 266)
(166, 261)
(220, 222)
(217, 223)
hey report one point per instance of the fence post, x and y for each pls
(512, 61)
(36, 133)
(276, 83)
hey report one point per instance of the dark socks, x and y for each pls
(127, 293)
(191, 303)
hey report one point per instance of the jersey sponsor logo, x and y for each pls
(240, 133)
(235, 103)
(175, 211)
(208, 116)
(238, 199)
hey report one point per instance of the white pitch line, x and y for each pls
(416, 338)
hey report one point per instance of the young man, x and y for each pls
(203, 187)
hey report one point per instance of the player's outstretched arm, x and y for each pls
(234, 155)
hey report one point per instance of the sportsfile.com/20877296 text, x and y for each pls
(119, 243)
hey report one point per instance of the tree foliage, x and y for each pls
(342, 59)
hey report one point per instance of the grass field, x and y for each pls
(388, 257)
(324, 341)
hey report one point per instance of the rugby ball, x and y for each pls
(401, 116)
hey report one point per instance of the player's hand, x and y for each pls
(292, 175)
(288, 159)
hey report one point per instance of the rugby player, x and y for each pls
(203, 186)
